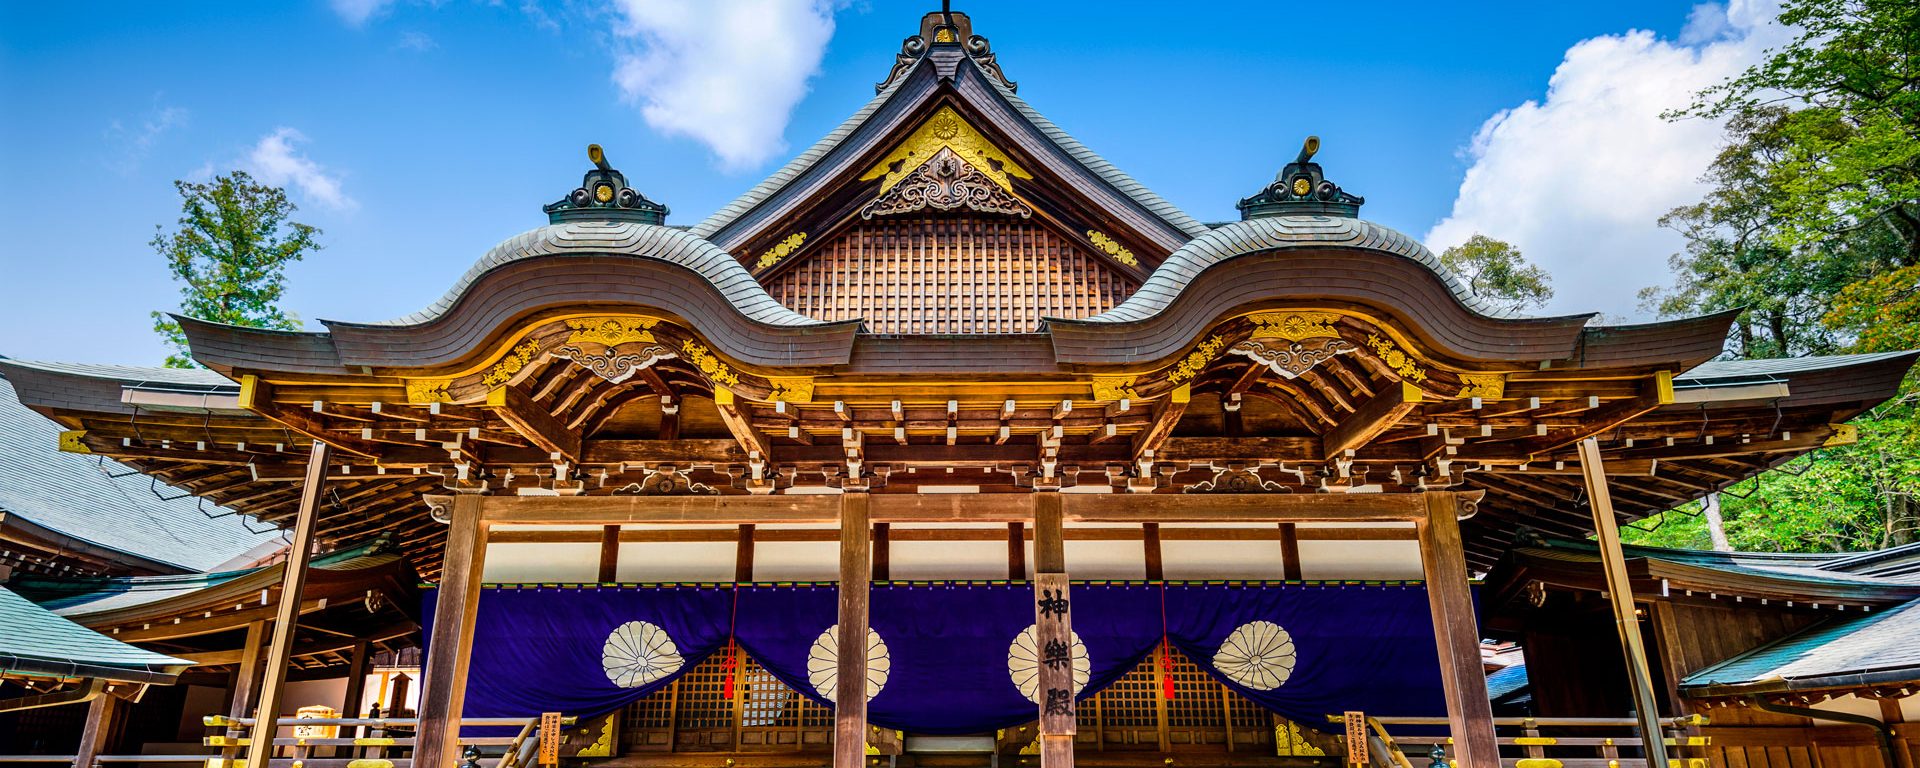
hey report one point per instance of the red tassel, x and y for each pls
(733, 660)
(1166, 668)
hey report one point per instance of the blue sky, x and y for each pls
(418, 134)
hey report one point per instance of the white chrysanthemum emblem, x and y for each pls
(1258, 655)
(1024, 661)
(823, 663)
(638, 653)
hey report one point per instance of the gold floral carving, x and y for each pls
(791, 389)
(1401, 362)
(425, 391)
(1191, 365)
(611, 331)
(1483, 385)
(946, 129)
(781, 250)
(1112, 247)
(504, 370)
(1114, 388)
(73, 441)
(1294, 326)
(715, 368)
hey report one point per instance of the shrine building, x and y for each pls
(1082, 478)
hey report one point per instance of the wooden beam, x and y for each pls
(1373, 417)
(94, 735)
(751, 440)
(531, 419)
(850, 691)
(444, 694)
(257, 396)
(1166, 414)
(609, 554)
(1457, 634)
(1620, 596)
(292, 584)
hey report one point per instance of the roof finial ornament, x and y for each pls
(603, 195)
(1301, 189)
(945, 27)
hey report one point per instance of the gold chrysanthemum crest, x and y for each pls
(1195, 361)
(781, 250)
(504, 370)
(1112, 247)
(715, 368)
(1401, 362)
(611, 331)
(1294, 326)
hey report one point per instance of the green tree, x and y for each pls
(1496, 272)
(230, 255)
(1852, 143)
(1734, 257)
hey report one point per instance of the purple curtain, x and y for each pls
(946, 647)
(1309, 651)
(1303, 651)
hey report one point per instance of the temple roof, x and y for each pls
(1854, 652)
(104, 503)
(36, 643)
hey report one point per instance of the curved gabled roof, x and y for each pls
(673, 246)
(1279, 233)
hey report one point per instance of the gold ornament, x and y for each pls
(1399, 361)
(1488, 386)
(426, 391)
(946, 129)
(603, 193)
(1113, 248)
(504, 370)
(781, 250)
(1197, 359)
(715, 368)
(1294, 326)
(73, 441)
(1301, 186)
(611, 331)
(1114, 388)
(790, 389)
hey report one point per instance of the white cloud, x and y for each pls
(356, 12)
(726, 73)
(1578, 180)
(276, 161)
(137, 141)
(416, 41)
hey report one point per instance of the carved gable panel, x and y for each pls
(943, 274)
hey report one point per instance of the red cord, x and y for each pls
(733, 653)
(1166, 648)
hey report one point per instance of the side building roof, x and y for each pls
(36, 643)
(1875, 649)
(99, 502)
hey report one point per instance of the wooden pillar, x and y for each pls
(357, 668)
(1150, 546)
(743, 555)
(609, 554)
(850, 691)
(1456, 633)
(287, 616)
(1053, 628)
(1290, 552)
(1620, 594)
(93, 738)
(246, 679)
(445, 684)
(882, 552)
(1016, 551)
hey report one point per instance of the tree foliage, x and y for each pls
(1812, 226)
(1495, 271)
(230, 254)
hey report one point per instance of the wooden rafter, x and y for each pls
(1373, 417)
(534, 422)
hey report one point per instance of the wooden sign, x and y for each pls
(1356, 723)
(550, 738)
(1053, 642)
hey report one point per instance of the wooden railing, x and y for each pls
(385, 736)
(1542, 742)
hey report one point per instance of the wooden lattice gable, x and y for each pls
(938, 85)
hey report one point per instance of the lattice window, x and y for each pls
(946, 274)
(1133, 700)
(1198, 701)
(703, 701)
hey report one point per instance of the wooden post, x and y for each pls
(609, 554)
(357, 668)
(437, 744)
(246, 679)
(1620, 594)
(743, 555)
(1150, 547)
(882, 552)
(93, 738)
(850, 691)
(1457, 634)
(287, 616)
(1053, 628)
(1017, 551)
